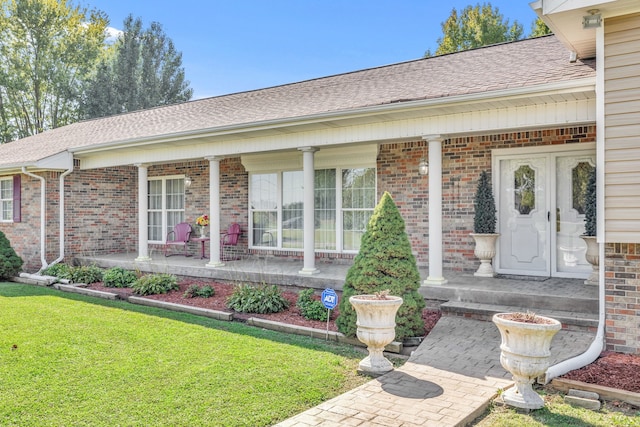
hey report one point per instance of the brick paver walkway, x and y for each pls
(448, 381)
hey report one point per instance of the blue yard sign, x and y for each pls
(329, 298)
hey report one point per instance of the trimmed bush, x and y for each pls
(384, 262)
(153, 284)
(484, 221)
(10, 262)
(261, 299)
(195, 291)
(118, 277)
(310, 308)
(590, 208)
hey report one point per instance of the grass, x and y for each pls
(557, 413)
(68, 359)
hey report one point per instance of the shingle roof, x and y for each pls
(509, 65)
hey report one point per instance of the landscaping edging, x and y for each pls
(394, 347)
(606, 393)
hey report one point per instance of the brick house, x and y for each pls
(301, 166)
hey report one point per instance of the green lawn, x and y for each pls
(67, 359)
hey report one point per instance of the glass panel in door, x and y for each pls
(523, 242)
(572, 173)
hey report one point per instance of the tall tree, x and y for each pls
(475, 26)
(539, 28)
(48, 48)
(144, 71)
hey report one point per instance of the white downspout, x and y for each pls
(43, 185)
(597, 345)
(61, 220)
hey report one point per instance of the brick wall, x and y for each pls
(463, 160)
(622, 297)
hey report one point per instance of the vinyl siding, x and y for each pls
(622, 129)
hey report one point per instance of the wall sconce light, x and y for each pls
(187, 181)
(423, 167)
(593, 20)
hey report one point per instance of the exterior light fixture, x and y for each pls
(423, 167)
(187, 181)
(593, 20)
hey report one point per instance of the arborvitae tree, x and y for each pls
(484, 221)
(590, 209)
(10, 262)
(384, 262)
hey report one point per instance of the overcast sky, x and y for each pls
(237, 45)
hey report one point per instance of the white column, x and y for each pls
(435, 211)
(143, 219)
(214, 211)
(309, 211)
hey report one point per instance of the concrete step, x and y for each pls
(571, 320)
(573, 297)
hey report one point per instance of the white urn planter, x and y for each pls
(485, 251)
(524, 352)
(376, 327)
(593, 257)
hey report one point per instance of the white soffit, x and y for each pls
(354, 156)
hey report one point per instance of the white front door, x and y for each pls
(540, 202)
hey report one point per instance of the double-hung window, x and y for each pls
(344, 200)
(6, 199)
(165, 206)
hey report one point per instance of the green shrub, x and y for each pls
(262, 299)
(10, 262)
(194, 291)
(310, 308)
(153, 284)
(118, 277)
(86, 274)
(590, 209)
(384, 262)
(61, 271)
(484, 220)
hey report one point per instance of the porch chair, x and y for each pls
(180, 237)
(229, 239)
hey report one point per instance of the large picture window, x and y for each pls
(6, 199)
(344, 200)
(166, 206)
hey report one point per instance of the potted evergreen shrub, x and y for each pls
(384, 261)
(484, 226)
(591, 228)
(525, 353)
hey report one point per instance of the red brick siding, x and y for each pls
(622, 297)
(463, 160)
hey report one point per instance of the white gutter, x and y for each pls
(43, 186)
(597, 345)
(61, 220)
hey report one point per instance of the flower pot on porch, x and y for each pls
(593, 257)
(485, 251)
(524, 352)
(376, 323)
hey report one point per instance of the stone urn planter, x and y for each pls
(524, 352)
(376, 327)
(593, 257)
(485, 250)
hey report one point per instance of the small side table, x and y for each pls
(202, 241)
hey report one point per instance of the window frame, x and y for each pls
(339, 210)
(164, 210)
(10, 200)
